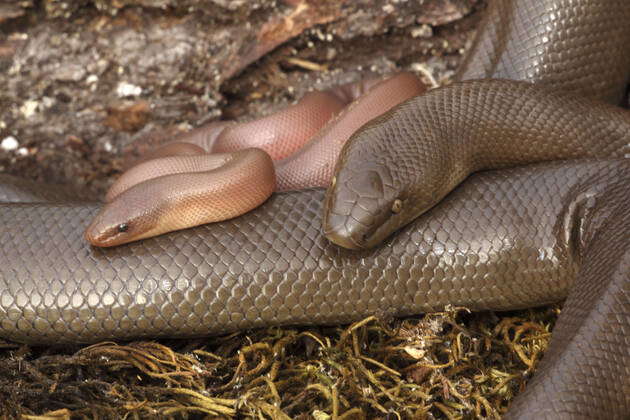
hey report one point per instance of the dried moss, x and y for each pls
(444, 365)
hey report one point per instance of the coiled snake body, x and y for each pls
(503, 240)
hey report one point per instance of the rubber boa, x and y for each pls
(502, 240)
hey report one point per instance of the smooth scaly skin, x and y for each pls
(246, 271)
(577, 46)
(504, 240)
(515, 242)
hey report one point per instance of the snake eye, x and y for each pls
(397, 206)
(123, 227)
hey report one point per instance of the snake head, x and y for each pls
(357, 205)
(363, 208)
(125, 219)
(385, 177)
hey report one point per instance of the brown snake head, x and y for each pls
(383, 180)
(119, 222)
(179, 192)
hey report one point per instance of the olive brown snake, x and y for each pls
(503, 240)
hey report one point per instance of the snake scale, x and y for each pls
(504, 239)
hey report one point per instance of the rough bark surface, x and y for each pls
(81, 80)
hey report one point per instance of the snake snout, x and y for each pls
(117, 223)
(357, 208)
(104, 232)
